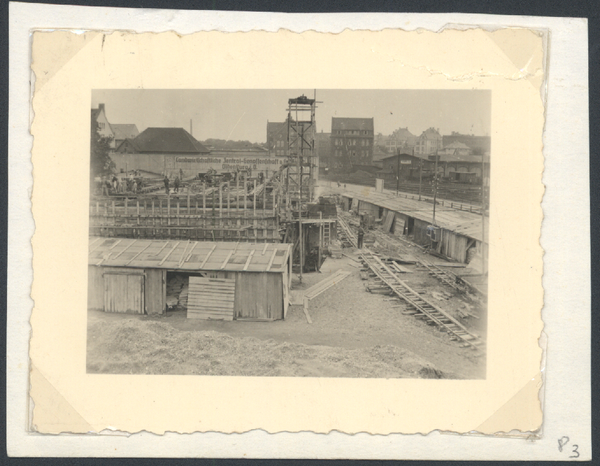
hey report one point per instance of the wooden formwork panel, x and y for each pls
(211, 298)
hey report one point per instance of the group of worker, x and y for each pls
(167, 183)
(116, 185)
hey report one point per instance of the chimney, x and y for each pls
(191, 127)
(101, 107)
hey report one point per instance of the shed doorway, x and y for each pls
(178, 286)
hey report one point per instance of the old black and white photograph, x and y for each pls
(289, 232)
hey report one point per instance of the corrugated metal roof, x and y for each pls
(458, 221)
(188, 255)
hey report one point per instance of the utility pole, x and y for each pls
(420, 175)
(398, 172)
(435, 183)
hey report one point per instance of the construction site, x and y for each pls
(276, 272)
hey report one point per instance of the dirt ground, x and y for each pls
(354, 333)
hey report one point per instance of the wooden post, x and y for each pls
(245, 194)
(237, 191)
(254, 200)
(126, 202)
(264, 206)
(188, 207)
(178, 210)
(169, 209)
(228, 199)
(137, 205)
(220, 200)
(203, 198)
(153, 216)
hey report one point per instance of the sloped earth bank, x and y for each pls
(354, 334)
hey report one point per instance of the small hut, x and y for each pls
(225, 280)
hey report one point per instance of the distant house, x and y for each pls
(117, 132)
(162, 140)
(401, 139)
(404, 166)
(352, 141)
(171, 151)
(478, 144)
(277, 138)
(463, 168)
(455, 148)
(429, 142)
(104, 127)
(122, 132)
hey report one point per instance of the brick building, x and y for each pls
(352, 141)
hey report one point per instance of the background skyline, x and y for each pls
(242, 114)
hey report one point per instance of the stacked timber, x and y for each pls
(175, 287)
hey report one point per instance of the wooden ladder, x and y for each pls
(326, 234)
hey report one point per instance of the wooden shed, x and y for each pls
(227, 280)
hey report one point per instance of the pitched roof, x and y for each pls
(431, 133)
(456, 145)
(460, 158)
(176, 140)
(188, 255)
(362, 124)
(403, 133)
(124, 131)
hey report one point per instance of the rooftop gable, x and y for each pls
(167, 140)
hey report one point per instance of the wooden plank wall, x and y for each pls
(259, 296)
(124, 292)
(420, 232)
(454, 246)
(95, 297)
(156, 291)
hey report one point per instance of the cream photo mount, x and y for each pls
(68, 65)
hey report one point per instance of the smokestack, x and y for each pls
(191, 127)
(101, 107)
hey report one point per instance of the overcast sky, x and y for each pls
(243, 114)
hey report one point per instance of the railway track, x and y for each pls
(419, 306)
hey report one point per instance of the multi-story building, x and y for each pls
(352, 141)
(429, 142)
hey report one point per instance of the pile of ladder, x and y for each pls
(346, 233)
(442, 275)
(419, 306)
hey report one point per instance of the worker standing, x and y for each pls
(166, 182)
(361, 235)
(176, 184)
